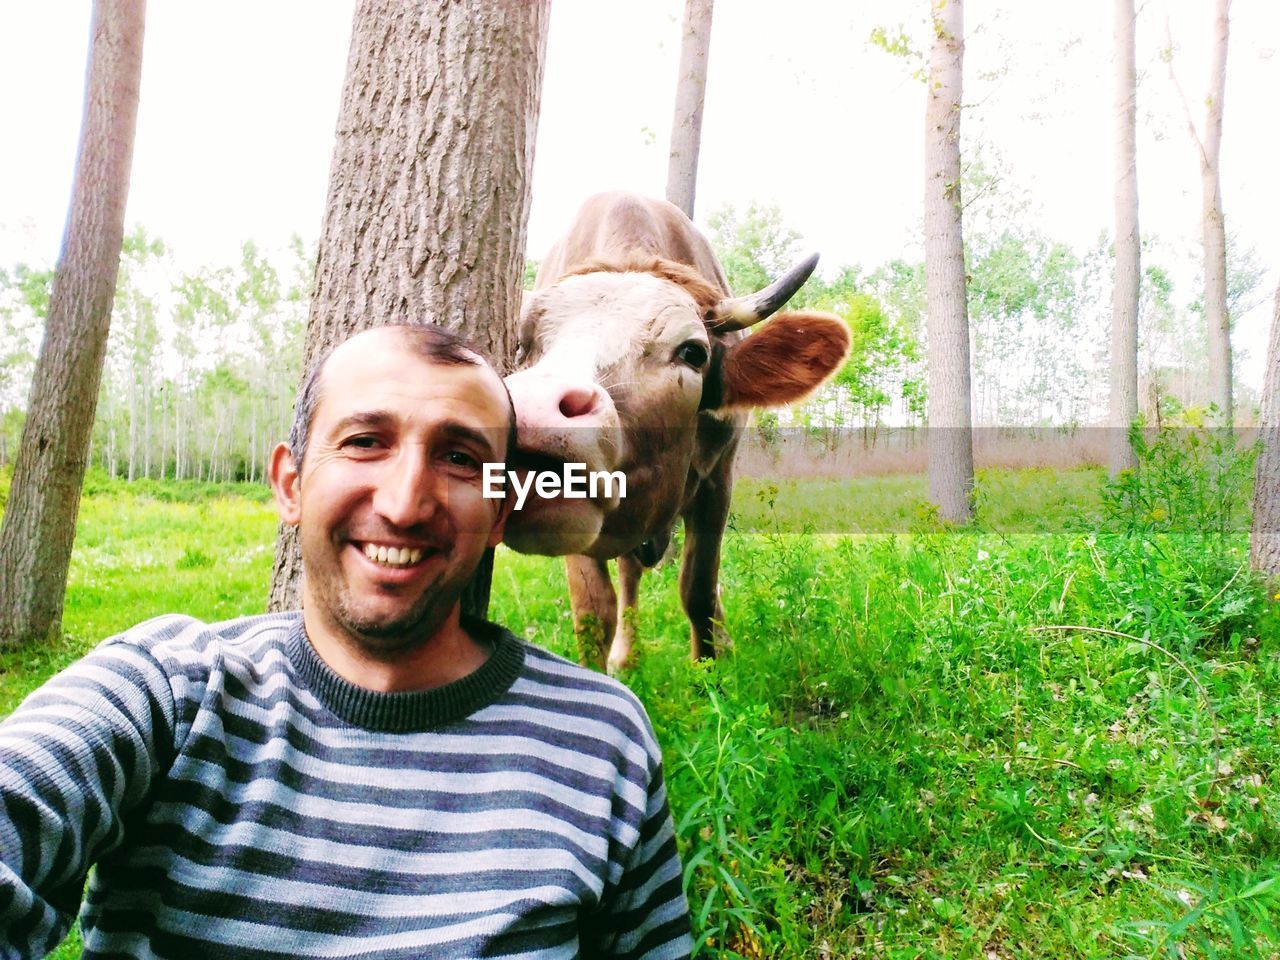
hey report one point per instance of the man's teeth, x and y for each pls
(393, 556)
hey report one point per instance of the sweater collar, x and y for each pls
(413, 710)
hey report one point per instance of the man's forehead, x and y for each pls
(371, 359)
(389, 339)
(370, 354)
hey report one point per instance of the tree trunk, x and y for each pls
(429, 186)
(949, 417)
(1124, 294)
(1265, 541)
(40, 519)
(213, 447)
(1214, 226)
(691, 88)
(164, 431)
(177, 435)
(253, 440)
(133, 425)
(147, 401)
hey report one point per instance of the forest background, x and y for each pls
(208, 329)
(990, 745)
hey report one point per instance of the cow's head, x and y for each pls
(616, 362)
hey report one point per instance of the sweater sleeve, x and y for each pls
(646, 916)
(76, 757)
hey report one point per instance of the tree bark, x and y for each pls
(429, 187)
(950, 443)
(691, 88)
(44, 499)
(1124, 294)
(1264, 549)
(1213, 224)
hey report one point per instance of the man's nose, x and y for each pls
(408, 492)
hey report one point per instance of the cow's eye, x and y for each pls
(693, 353)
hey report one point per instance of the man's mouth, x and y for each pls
(391, 556)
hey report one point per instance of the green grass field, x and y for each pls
(1001, 744)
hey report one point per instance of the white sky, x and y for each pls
(240, 97)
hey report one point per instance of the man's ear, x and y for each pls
(285, 484)
(504, 512)
(789, 357)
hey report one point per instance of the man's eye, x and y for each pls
(361, 443)
(460, 458)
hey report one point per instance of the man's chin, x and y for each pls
(393, 633)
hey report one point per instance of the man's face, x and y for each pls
(388, 504)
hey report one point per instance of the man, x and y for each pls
(376, 776)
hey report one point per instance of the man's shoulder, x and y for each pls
(174, 640)
(553, 669)
(569, 687)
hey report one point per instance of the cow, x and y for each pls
(633, 357)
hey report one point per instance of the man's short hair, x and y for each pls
(430, 341)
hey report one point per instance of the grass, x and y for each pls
(1006, 744)
(1036, 500)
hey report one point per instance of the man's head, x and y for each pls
(383, 478)
(428, 340)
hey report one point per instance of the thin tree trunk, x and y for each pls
(133, 425)
(1265, 540)
(213, 447)
(950, 419)
(147, 402)
(253, 440)
(1214, 226)
(164, 431)
(429, 186)
(691, 88)
(1124, 296)
(44, 499)
(177, 436)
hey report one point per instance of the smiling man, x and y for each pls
(391, 514)
(375, 776)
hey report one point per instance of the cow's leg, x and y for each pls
(630, 570)
(595, 607)
(704, 523)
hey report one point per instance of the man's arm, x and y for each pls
(75, 758)
(645, 915)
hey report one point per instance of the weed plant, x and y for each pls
(921, 744)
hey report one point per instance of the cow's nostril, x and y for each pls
(579, 402)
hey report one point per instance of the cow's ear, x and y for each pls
(785, 360)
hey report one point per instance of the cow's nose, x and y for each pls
(580, 401)
(547, 401)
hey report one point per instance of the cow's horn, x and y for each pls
(735, 313)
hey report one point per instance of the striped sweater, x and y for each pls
(236, 797)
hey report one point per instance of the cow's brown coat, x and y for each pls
(622, 304)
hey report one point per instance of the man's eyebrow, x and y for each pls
(363, 419)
